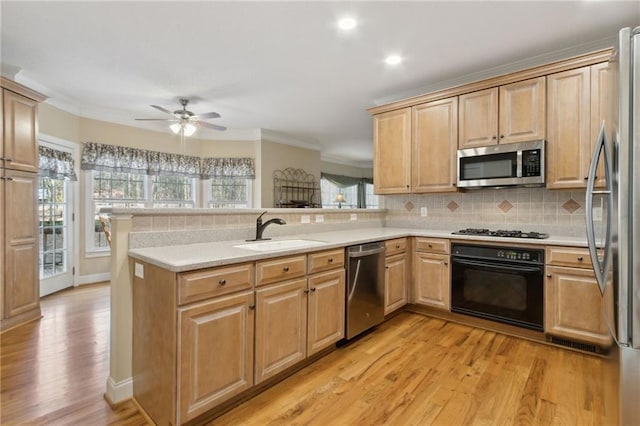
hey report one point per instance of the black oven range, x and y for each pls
(501, 233)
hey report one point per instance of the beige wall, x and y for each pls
(277, 156)
(341, 169)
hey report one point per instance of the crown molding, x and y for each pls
(500, 70)
(286, 139)
(361, 164)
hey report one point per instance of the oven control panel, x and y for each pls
(515, 254)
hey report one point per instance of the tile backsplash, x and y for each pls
(532, 209)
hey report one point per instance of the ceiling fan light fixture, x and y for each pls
(175, 128)
(189, 129)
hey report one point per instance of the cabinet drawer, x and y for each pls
(199, 285)
(568, 256)
(397, 245)
(325, 260)
(432, 245)
(283, 268)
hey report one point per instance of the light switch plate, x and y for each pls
(319, 218)
(354, 216)
(305, 219)
(423, 211)
(139, 270)
(597, 213)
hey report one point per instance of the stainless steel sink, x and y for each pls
(279, 245)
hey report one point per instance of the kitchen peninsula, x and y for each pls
(145, 245)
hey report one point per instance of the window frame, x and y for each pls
(208, 193)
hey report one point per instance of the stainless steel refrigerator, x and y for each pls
(614, 238)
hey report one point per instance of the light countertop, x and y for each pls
(188, 257)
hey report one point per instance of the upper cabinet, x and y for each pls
(20, 132)
(435, 135)
(392, 152)
(510, 113)
(579, 100)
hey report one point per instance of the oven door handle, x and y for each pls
(510, 268)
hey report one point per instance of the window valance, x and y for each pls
(112, 158)
(228, 167)
(348, 181)
(56, 164)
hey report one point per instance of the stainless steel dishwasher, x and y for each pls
(365, 287)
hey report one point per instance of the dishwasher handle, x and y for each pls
(356, 254)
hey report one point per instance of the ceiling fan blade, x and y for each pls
(207, 115)
(211, 126)
(156, 119)
(159, 108)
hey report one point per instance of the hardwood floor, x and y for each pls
(412, 370)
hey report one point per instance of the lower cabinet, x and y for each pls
(215, 336)
(396, 275)
(432, 273)
(325, 321)
(574, 307)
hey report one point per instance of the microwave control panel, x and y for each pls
(531, 163)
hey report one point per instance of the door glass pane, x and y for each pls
(52, 206)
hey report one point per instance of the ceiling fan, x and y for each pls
(185, 120)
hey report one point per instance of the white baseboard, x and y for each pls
(119, 392)
(92, 278)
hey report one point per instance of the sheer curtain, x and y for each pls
(346, 182)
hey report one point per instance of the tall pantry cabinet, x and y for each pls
(19, 239)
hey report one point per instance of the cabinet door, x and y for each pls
(281, 327)
(569, 143)
(574, 307)
(601, 109)
(215, 353)
(21, 290)
(522, 111)
(432, 276)
(478, 118)
(395, 282)
(20, 132)
(435, 138)
(392, 152)
(326, 310)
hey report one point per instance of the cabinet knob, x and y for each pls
(548, 275)
(8, 178)
(493, 137)
(586, 178)
(386, 267)
(8, 159)
(407, 186)
(222, 282)
(306, 291)
(501, 136)
(286, 269)
(580, 258)
(330, 260)
(252, 306)
(397, 246)
(446, 263)
(313, 289)
(429, 245)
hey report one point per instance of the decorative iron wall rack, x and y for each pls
(295, 188)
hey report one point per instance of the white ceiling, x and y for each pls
(284, 67)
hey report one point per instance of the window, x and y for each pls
(329, 192)
(173, 191)
(230, 193)
(52, 205)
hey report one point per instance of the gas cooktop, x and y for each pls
(501, 233)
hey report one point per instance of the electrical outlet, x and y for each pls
(597, 213)
(305, 219)
(319, 218)
(354, 216)
(423, 211)
(139, 270)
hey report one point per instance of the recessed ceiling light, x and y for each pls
(347, 24)
(393, 59)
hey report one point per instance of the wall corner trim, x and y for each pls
(118, 392)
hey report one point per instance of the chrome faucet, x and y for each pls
(261, 226)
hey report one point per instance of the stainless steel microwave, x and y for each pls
(511, 164)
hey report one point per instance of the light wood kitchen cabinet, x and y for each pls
(392, 152)
(20, 289)
(574, 307)
(579, 100)
(325, 325)
(432, 273)
(435, 138)
(510, 113)
(281, 327)
(215, 352)
(395, 275)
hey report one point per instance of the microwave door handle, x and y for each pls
(600, 268)
(519, 163)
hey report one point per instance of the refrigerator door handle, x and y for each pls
(600, 267)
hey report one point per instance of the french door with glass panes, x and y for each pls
(55, 208)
